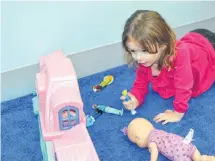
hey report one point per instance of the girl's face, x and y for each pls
(142, 56)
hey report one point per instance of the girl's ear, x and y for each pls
(162, 47)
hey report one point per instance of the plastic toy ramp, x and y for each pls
(75, 145)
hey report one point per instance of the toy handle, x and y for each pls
(133, 112)
(127, 98)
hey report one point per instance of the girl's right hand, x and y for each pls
(132, 104)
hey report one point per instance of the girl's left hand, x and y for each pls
(168, 116)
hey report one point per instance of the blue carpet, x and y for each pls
(20, 135)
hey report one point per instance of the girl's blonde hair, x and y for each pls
(150, 30)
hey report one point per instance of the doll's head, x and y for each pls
(138, 131)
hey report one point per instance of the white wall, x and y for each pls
(32, 29)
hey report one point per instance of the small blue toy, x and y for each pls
(34, 93)
(127, 98)
(108, 109)
(89, 121)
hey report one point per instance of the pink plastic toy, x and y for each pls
(61, 117)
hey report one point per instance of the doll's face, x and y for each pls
(133, 137)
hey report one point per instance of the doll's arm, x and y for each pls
(154, 151)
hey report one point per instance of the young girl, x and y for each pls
(183, 69)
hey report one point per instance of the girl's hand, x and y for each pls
(132, 104)
(168, 116)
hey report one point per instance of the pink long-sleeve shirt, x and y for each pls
(192, 74)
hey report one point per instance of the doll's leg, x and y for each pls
(207, 158)
(114, 111)
(198, 157)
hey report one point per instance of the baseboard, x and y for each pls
(21, 82)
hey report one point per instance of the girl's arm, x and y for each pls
(183, 80)
(140, 85)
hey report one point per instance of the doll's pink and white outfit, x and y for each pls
(171, 145)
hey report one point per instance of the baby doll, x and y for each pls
(141, 132)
